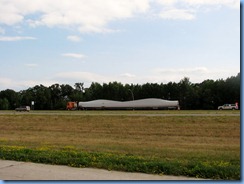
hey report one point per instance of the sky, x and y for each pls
(128, 41)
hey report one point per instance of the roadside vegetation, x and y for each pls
(198, 146)
(207, 95)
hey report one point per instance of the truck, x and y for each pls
(228, 107)
(72, 106)
(149, 103)
(23, 108)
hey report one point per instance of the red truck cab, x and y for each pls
(71, 106)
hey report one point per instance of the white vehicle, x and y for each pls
(23, 108)
(149, 103)
(228, 107)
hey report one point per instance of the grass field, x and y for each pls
(200, 146)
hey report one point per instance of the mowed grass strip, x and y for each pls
(197, 146)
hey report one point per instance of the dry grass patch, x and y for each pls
(139, 133)
(165, 138)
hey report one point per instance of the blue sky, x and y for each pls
(129, 41)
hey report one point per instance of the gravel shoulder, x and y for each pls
(13, 170)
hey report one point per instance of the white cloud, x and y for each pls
(197, 74)
(127, 75)
(198, 3)
(180, 14)
(2, 31)
(74, 55)
(74, 38)
(31, 83)
(228, 3)
(92, 15)
(95, 15)
(31, 65)
(5, 82)
(9, 83)
(187, 9)
(199, 70)
(89, 77)
(9, 14)
(166, 2)
(82, 76)
(94, 29)
(15, 38)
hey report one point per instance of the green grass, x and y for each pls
(199, 146)
(130, 163)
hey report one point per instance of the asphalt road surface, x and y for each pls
(13, 170)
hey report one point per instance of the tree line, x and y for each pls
(208, 94)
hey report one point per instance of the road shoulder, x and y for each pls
(13, 170)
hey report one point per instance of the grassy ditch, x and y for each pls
(206, 147)
(130, 163)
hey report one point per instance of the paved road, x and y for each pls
(78, 113)
(12, 170)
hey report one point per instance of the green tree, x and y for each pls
(42, 97)
(11, 96)
(4, 104)
(206, 95)
(185, 93)
(56, 94)
(26, 96)
(171, 91)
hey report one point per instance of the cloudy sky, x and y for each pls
(129, 41)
